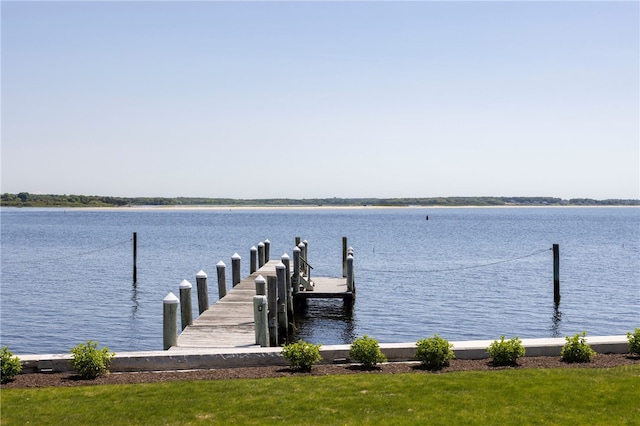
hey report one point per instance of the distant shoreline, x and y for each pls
(25, 199)
(297, 207)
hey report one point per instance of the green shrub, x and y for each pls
(302, 354)
(366, 351)
(506, 352)
(89, 361)
(634, 342)
(10, 365)
(434, 352)
(576, 349)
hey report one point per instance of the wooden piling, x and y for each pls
(283, 320)
(135, 258)
(272, 301)
(203, 292)
(260, 254)
(261, 286)
(305, 256)
(253, 259)
(286, 261)
(344, 256)
(296, 270)
(350, 280)
(556, 273)
(267, 249)
(303, 259)
(235, 269)
(186, 314)
(261, 320)
(222, 279)
(170, 321)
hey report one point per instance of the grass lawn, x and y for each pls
(531, 396)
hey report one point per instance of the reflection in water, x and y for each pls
(328, 322)
(135, 304)
(556, 320)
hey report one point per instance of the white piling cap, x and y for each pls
(296, 249)
(171, 299)
(260, 279)
(235, 256)
(221, 264)
(301, 245)
(185, 284)
(267, 241)
(201, 274)
(280, 265)
(253, 248)
(260, 244)
(285, 256)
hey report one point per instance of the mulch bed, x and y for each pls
(38, 380)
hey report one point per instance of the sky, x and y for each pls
(321, 99)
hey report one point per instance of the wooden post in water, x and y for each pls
(260, 254)
(253, 259)
(170, 321)
(556, 273)
(344, 256)
(203, 291)
(303, 258)
(261, 286)
(135, 257)
(283, 320)
(305, 255)
(186, 312)
(272, 301)
(296, 270)
(267, 248)
(222, 279)
(286, 261)
(350, 280)
(297, 241)
(235, 269)
(261, 320)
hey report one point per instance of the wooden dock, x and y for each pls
(229, 322)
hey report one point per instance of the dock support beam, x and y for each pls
(235, 269)
(296, 270)
(344, 256)
(272, 301)
(186, 311)
(261, 286)
(286, 261)
(260, 254)
(170, 321)
(203, 292)
(253, 256)
(261, 319)
(222, 279)
(350, 279)
(267, 249)
(283, 321)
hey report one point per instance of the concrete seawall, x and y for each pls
(191, 359)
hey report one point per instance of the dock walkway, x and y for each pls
(229, 322)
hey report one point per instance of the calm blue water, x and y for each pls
(465, 274)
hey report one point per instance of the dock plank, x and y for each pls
(229, 321)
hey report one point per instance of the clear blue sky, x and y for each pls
(323, 99)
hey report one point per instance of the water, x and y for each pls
(466, 273)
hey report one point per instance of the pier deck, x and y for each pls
(229, 322)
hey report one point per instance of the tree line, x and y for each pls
(25, 199)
